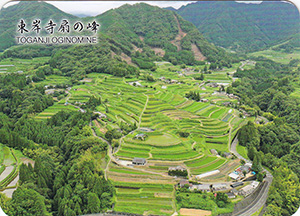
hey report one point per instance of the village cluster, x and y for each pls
(242, 179)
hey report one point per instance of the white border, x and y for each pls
(3, 2)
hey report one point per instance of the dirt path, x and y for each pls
(193, 145)
(109, 151)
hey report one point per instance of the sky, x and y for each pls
(93, 8)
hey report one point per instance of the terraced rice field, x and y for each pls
(153, 199)
(162, 114)
(205, 164)
(52, 110)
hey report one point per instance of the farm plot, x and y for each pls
(52, 110)
(53, 80)
(219, 114)
(80, 95)
(196, 107)
(10, 160)
(15, 65)
(215, 164)
(208, 111)
(153, 199)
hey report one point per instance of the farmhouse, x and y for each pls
(139, 161)
(203, 187)
(239, 172)
(244, 168)
(178, 168)
(227, 103)
(140, 136)
(234, 176)
(219, 187)
(213, 85)
(245, 191)
(177, 171)
(203, 100)
(101, 115)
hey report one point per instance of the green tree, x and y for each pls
(93, 205)
(26, 201)
(256, 165)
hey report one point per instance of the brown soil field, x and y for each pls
(194, 212)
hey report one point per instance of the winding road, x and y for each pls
(261, 198)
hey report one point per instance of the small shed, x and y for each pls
(231, 195)
(139, 161)
(247, 190)
(236, 184)
(140, 136)
(214, 151)
(203, 187)
(227, 155)
(245, 168)
(234, 176)
(227, 103)
(178, 168)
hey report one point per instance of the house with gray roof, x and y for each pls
(139, 161)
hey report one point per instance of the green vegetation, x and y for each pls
(205, 201)
(140, 198)
(275, 144)
(254, 19)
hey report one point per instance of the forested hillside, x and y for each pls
(266, 90)
(243, 27)
(138, 33)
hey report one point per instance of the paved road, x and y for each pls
(263, 194)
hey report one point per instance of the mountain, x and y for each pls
(139, 34)
(165, 32)
(243, 27)
(10, 18)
